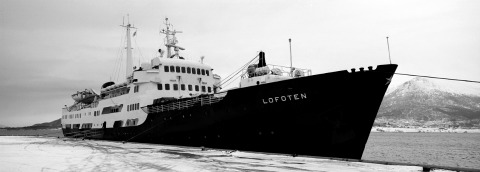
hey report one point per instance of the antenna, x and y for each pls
(388, 45)
(290, 42)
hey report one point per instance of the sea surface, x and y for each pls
(444, 149)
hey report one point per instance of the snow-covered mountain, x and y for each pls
(422, 100)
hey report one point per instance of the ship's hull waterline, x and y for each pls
(327, 115)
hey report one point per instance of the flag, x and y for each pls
(134, 33)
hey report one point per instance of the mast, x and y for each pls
(290, 43)
(171, 42)
(388, 45)
(129, 67)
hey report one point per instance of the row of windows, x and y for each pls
(78, 115)
(95, 113)
(182, 87)
(88, 125)
(106, 110)
(129, 122)
(135, 106)
(188, 70)
(76, 126)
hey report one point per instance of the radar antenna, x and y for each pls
(170, 42)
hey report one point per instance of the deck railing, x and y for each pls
(277, 70)
(179, 104)
(85, 134)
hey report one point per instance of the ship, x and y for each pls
(275, 109)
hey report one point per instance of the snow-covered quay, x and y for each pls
(22, 153)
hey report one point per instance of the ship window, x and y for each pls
(138, 106)
(167, 86)
(209, 89)
(196, 88)
(175, 86)
(183, 69)
(203, 71)
(194, 71)
(189, 70)
(166, 68)
(189, 87)
(208, 73)
(112, 109)
(198, 71)
(177, 69)
(182, 86)
(136, 88)
(172, 68)
(203, 88)
(159, 87)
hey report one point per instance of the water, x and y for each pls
(444, 149)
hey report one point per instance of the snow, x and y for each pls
(21, 153)
(430, 85)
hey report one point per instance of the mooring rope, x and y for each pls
(434, 77)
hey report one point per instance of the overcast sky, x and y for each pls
(52, 48)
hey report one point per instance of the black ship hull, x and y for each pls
(327, 115)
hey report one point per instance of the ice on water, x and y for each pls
(51, 154)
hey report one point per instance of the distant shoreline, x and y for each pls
(56, 132)
(423, 130)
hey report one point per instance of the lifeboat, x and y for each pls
(87, 96)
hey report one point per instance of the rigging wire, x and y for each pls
(227, 84)
(118, 62)
(119, 65)
(139, 51)
(114, 71)
(229, 77)
(424, 76)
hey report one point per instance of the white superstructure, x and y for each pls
(118, 104)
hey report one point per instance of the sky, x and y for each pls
(50, 49)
